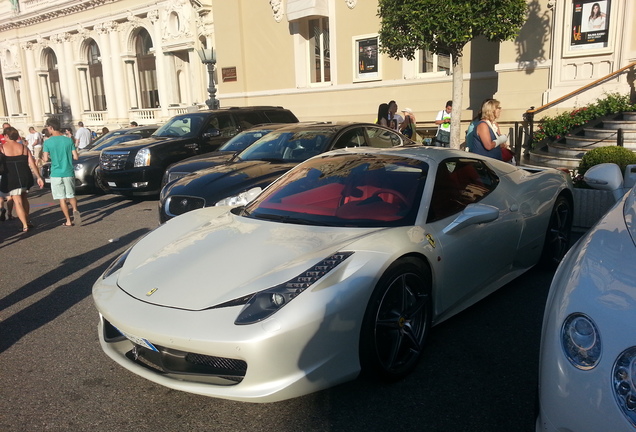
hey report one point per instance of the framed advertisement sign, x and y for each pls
(366, 58)
(590, 29)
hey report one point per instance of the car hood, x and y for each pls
(142, 143)
(221, 181)
(206, 160)
(210, 256)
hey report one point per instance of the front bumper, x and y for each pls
(307, 346)
(140, 181)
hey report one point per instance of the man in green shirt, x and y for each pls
(60, 150)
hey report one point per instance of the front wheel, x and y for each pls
(100, 184)
(397, 320)
(557, 237)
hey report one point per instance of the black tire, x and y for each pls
(557, 237)
(396, 321)
(100, 185)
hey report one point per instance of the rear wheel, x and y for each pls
(557, 238)
(397, 320)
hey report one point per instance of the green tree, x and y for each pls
(446, 26)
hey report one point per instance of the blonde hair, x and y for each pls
(489, 108)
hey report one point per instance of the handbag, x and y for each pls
(443, 136)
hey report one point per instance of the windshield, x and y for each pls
(295, 146)
(353, 190)
(243, 140)
(183, 126)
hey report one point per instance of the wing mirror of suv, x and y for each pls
(212, 133)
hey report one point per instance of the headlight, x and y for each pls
(142, 158)
(581, 341)
(240, 199)
(266, 303)
(624, 383)
(117, 264)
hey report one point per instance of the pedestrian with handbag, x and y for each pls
(443, 121)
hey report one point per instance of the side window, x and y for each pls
(459, 182)
(280, 116)
(383, 138)
(351, 138)
(222, 123)
(250, 118)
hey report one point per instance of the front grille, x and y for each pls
(191, 365)
(180, 362)
(112, 161)
(178, 205)
(46, 171)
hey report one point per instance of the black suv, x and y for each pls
(136, 168)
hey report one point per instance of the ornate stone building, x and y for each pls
(107, 62)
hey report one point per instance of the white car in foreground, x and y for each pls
(340, 266)
(587, 375)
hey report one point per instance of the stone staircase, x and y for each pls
(567, 152)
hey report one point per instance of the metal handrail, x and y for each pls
(529, 114)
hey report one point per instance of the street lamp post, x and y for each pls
(53, 100)
(209, 59)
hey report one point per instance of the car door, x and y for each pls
(471, 258)
(218, 129)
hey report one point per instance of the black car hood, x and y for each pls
(142, 143)
(222, 181)
(199, 162)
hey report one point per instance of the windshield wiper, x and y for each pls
(287, 219)
(274, 160)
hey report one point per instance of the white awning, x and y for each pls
(297, 9)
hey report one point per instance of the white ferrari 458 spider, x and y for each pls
(341, 266)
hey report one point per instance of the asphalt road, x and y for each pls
(479, 371)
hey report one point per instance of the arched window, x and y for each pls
(147, 71)
(96, 77)
(54, 78)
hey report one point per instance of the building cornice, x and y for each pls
(34, 12)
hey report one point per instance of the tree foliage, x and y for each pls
(446, 26)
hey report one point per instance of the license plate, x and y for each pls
(112, 184)
(47, 180)
(139, 341)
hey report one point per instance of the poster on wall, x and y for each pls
(590, 25)
(366, 50)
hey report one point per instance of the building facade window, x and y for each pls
(319, 51)
(148, 88)
(96, 77)
(54, 79)
(429, 62)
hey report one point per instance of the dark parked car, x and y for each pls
(86, 177)
(136, 169)
(265, 161)
(226, 152)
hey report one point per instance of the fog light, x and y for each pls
(139, 184)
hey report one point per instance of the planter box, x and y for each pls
(590, 205)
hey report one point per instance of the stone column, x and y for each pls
(109, 83)
(73, 92)
(133, 97)
(85, 88)
(45, 92)
(160, 63)
(31, 82)
(120, 102)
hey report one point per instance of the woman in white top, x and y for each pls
(596, 21)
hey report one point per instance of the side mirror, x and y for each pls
(606, 176)
(212, 134)
(471, 215)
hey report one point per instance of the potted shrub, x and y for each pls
(590, 204)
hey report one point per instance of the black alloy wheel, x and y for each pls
(397, 320)
(557, 238)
